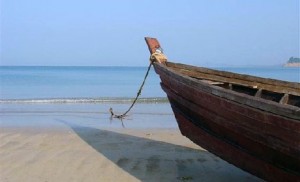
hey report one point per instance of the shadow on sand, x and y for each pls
(150, 160)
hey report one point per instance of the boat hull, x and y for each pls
(237, 133)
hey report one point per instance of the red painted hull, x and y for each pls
(262, 143)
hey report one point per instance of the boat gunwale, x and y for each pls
(275, 108)
(250, 78)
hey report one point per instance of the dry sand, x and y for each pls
(78, 142)
(91, 154)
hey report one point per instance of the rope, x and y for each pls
(136, 98)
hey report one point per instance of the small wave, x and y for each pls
(83, 100)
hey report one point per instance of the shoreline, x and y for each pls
(99, 100)
(292, 65)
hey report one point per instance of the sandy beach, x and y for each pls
(59, 143)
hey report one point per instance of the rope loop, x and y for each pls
(158, 56)
(136, 98)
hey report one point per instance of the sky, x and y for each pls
(111, 32)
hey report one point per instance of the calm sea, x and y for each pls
(71, 84)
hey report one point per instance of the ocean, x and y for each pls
(45, 97)
(75, 83)
(95, 84)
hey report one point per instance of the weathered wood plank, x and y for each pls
(233, 80)
(234, 108)
(269, 106)
(258, 93)
(229, 153)
(226, 74)
(284, 99)
(262, 132)
(232, 135)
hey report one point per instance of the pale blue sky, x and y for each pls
(111, 32)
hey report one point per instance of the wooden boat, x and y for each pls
(251, 122)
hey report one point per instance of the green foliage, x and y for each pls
(185, 178)
(294, 60)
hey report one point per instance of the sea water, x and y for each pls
(66, 84)
(76, 83)
(52, 96)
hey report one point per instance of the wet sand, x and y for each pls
(61, 146)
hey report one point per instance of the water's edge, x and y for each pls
(84, 100)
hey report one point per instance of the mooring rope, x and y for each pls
(136, 98)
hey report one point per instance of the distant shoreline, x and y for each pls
(292, 65)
